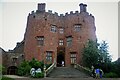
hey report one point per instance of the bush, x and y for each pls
(24, 69)
(36, 64)
(39, 75)
(111, 75)
(21, 71)
(2, 69)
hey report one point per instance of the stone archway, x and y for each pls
(12, 70)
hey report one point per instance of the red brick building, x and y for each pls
(52, 37)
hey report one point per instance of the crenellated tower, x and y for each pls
(50, 36)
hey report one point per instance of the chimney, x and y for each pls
(83, 7)
(41, 7)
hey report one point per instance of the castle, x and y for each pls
(50, 37)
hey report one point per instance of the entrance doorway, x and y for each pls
(60, 59)
(12, 70)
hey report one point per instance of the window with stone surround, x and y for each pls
(69, 40)
(40, 40)
(61, 30)
(77, 27)
(73, 57)
(14, 59)
(49, 56)
(61, 42)
(53, 28)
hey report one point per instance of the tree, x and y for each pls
(90, 54)
(104, 56)
(96, 54)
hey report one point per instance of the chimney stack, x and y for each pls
(41, 7)
(83, 7)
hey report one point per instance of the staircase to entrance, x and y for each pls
(67, 72)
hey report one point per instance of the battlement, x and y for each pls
(41, 9)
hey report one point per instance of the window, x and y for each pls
(14, 59)
(61, 30)
(60, 42)
(49, 56)
(53, 28)
(73, 57)
(40, 40)
(77, 27)
(69, 41)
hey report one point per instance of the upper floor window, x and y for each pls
(14, 59)
(40, 40)
(77, 27)
(53, 28)
(69, 41)
(61, 30)
(61, 42)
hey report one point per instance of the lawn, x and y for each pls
(6, 78)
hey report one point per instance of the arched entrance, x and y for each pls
(60, 58)
(12, 70)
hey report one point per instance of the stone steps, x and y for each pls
(67, 72)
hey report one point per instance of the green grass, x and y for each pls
(6, 78)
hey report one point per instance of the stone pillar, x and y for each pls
(41, 7)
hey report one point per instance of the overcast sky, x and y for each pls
(14, 20)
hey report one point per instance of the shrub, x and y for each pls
(39, 75)
(2, 69)
(21, 71)
(36, 64)
(24, 69)
(111, 75)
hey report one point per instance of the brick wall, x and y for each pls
(39, 24)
